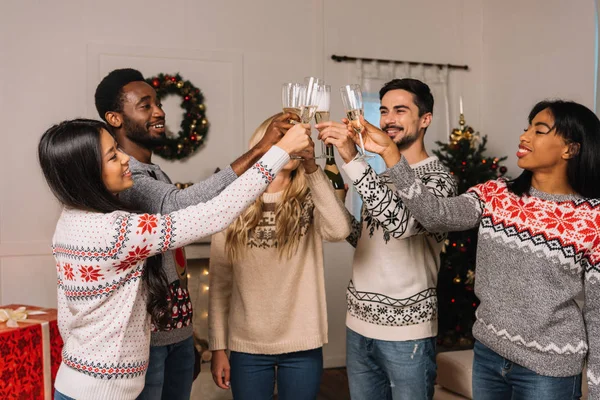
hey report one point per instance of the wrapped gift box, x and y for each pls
(30, 353)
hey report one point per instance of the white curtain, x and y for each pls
(373, 75)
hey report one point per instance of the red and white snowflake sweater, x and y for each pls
(101, 298)
(535, 254)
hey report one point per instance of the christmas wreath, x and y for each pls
(194, 125)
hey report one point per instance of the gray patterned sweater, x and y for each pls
(153, 192)
(392, 294)
(535, 254)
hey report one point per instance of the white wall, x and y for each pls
(52, 54)
(532, 50)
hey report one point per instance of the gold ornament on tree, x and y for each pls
(464, 131)
(470, 277)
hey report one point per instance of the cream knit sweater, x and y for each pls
(268, 305)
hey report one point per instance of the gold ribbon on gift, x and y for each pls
(21, 314)
(11, 317)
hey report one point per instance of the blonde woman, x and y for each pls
(267, 298)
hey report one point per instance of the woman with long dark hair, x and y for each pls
(100, 249)
(538, 249)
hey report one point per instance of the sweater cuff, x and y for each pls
(355, 169)
(317, 177)
(402, 174)
(274, 159)
(217, 344)
(227, 176)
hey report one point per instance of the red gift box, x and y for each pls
(30, 355)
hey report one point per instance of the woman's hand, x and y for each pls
(296, 140)
(220, 369)
(337, 134)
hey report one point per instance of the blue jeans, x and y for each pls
(170, 372)
(496, 378)
(59, 396)
(298, 375)
(380, 369)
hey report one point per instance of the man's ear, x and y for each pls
(425, 120)
(572, 150)
(114, 119)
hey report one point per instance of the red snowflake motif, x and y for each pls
(518, 210)
(90, 273)
(561, 222)
(69, 275)
(147, 223)
(139, 254)
(587, 230)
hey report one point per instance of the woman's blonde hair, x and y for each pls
(288, 212)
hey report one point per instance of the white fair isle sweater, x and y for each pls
(101, 299)
(392, 295)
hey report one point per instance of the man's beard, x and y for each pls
(140, 134)
(406, 141)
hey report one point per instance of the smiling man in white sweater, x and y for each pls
(392, 302)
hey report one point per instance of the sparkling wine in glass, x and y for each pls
(353, 105)
(322, 113)
(291, 97)
(310, 100)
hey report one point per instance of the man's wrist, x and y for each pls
(391, 155)
(349, 155)
(311, 167)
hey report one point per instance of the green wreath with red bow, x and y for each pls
(194, 126)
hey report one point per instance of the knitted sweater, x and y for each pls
(101, 299)
(392, 294)
(271, 305)
(535, 254)
(153, 192)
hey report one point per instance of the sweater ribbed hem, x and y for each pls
(547, 364)
(300, 344)
(217, 344)
(79, 386)
(392, 333)
(165, 338)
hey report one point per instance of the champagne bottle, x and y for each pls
(333, 173)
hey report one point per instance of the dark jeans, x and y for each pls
(170, 372)
(298, 375)
(496, 378)
(386, 370)
(59, 396)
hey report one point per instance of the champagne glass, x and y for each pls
(322, 113)
(310, 100)
(291, 95)
(353, 105)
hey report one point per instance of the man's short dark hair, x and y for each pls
(421, 93)
(109, 94)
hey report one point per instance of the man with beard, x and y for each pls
(130, 107)
(391, 318)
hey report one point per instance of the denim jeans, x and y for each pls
(170, 372)
(380, 369)
(496, 378)
(298, 375)
(59, 396)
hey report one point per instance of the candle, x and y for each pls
(461, 107)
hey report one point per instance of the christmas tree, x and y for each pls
(464, 156)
